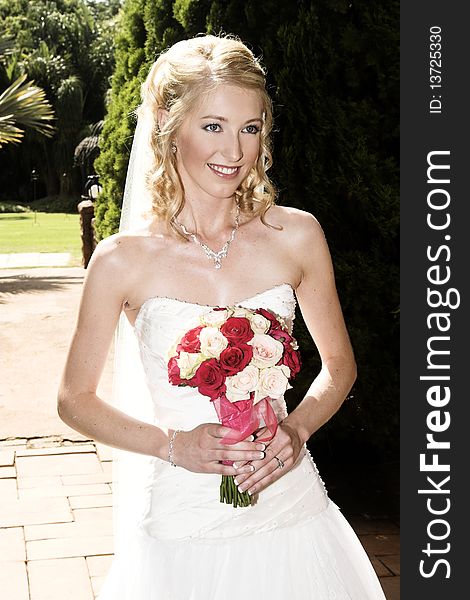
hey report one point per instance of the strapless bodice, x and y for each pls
(297, 496)
(161, 321)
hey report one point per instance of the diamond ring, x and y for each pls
(280, 464)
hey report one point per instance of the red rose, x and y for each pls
(237, 330)
(292, 360)
(174, 372)
(235, 358)
(190, 341)
(210, 379)
(271, 318)
(282, 336)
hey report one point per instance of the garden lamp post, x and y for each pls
(34, 178)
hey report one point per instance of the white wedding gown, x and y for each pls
(293, 543)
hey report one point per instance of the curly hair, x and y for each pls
(175, 83)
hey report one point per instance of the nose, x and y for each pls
(233, 150)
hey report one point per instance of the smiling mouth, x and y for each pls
(224, 171)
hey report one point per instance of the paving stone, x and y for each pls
(103, 527)
(378, 565)
(391, 587)
(67, 464)
(392, 563)
(14, 581)
(60, 579)
(362, 525)
(381, 545)
(105, 453)
(7, 458)
(107, 467)
(97, 583)
(12, 544)
(65, 490)
(7, 472)
(56, 450)
(14, 442)
(34, 511)
(86, 479)
(98, 566)
(34, 482)
(8, 489)
(91, 501)
(69, 547)
(93, 515)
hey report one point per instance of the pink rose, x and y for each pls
(266, 350)
(235, 358)
(240, 386)
(237, 330)
(210, 379)
(273, 382)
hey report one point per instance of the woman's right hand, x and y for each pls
(201, 450)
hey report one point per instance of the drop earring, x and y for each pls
(173, 147)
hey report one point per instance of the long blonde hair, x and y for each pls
(176, 82)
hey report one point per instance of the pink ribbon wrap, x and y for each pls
(244, 418)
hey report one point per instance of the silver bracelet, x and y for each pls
(170, 446)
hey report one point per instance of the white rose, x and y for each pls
(212, 342)
(266, 350)
(188, 362)
(214, 318)
(239, 311)
(240, 385)
(259, 324)
(273, 382)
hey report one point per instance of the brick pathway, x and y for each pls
(56, 522)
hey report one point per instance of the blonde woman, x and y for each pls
(210, 235)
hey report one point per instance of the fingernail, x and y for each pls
(251, 438)
(261, 447)
(236, 482)
(251, 467)
(241, 489)
(261, 455)
(236, 465)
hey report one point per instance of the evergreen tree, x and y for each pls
(146, 28)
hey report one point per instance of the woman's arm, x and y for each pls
(319, 304)
(80, 407)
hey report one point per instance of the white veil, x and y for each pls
(130, 393)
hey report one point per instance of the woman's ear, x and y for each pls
(162, 117)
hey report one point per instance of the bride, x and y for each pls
(200, 230)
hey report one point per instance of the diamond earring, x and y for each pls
(173, 147)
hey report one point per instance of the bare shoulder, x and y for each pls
(116, 259)
(299, 227)
(119, 250)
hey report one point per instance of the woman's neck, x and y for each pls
(209, 218)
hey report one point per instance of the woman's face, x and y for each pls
(219, 142)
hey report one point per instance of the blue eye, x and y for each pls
(252, 129)
(212, 127)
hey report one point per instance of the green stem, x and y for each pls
(230, 494)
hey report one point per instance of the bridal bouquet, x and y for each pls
(241, 359)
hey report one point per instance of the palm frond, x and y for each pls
(24, 104)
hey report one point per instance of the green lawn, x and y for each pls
(40, 232)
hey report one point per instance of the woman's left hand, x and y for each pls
(285, 445)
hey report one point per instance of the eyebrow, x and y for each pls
(219, 118)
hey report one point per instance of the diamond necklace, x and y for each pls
(222, 253)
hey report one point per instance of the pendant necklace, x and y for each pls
(222, 253)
